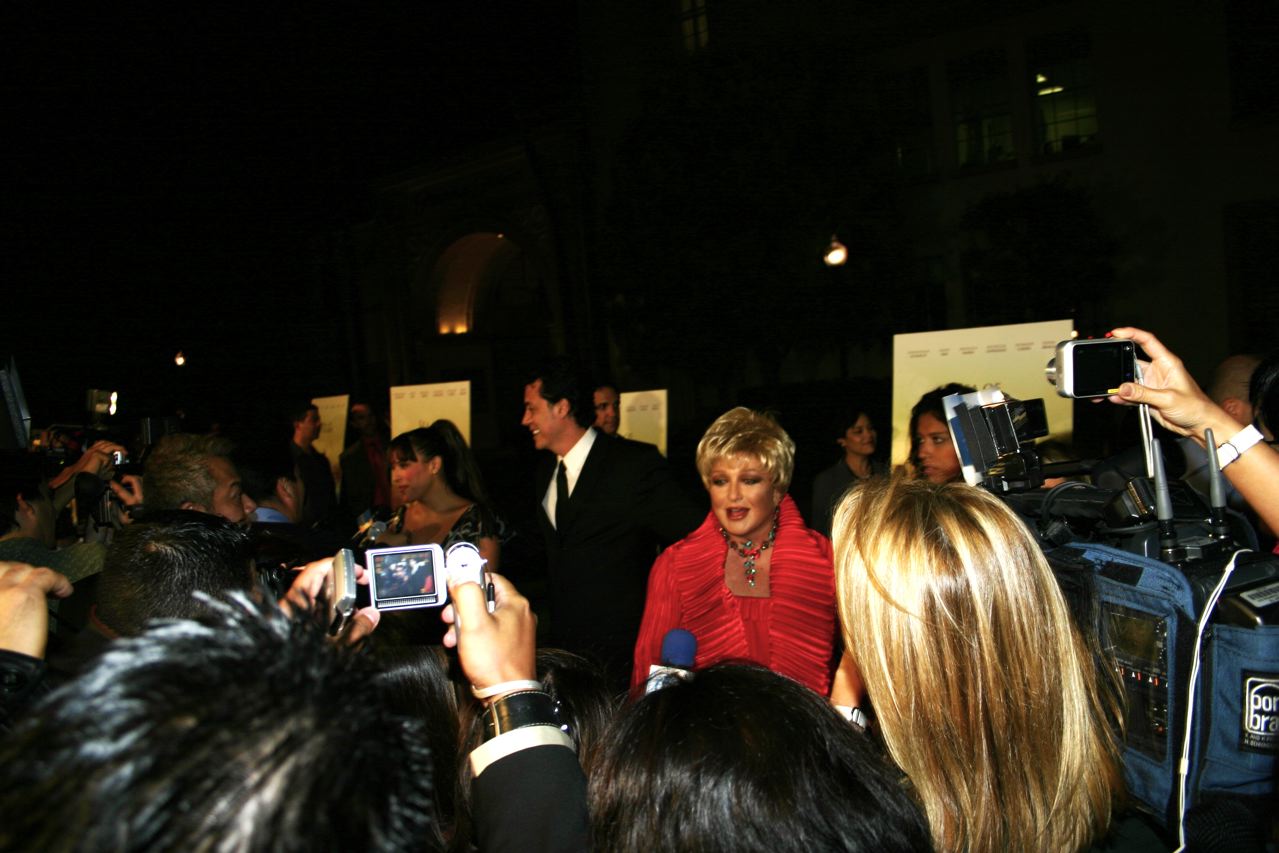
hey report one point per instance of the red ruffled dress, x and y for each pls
(792, 632)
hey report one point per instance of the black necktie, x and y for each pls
(561, 495)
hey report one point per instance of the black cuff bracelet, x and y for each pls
(517, 710)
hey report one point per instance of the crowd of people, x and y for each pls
(914, 681)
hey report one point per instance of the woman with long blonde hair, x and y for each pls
(985, 692)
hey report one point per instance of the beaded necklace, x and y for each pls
(748, 550)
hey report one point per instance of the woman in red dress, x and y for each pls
(753, 582)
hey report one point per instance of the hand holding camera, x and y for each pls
(415, 576)
(497, 646)
(1176, 401)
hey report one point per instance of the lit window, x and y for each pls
(1062, 100)
(692, 15)
(982, 109)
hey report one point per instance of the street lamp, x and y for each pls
(836, 253)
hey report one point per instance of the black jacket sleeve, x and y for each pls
(533, 800)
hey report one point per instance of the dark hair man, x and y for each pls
(245, 731)
(606, 409)
(317, 474)
(605, 508)
(153, 570)
(270, 477)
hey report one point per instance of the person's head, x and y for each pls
(932, 451)
(741, 758)
(306, 423)
(1229, 388)
(153, 569)
(195, 472)
(429, 457)
(606, 409)
(363, 420)
(856, 433)
(1263, 394)
(983, 688)
(26, 504)
(244, 731)
(745, 459)
(584, 700)
(269, 476)
(415, 682)
(558, 407)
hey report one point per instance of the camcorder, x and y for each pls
(406, 577)
(1188, 610)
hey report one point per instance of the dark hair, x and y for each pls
(21, 474)
(248, 730)
(845, 418)
(415, 682)
(177, 470)
(931, 404)
(741, 758)
(1263, 392)
(561, 380)
(297, 410)
(153, 569)
(457, 463)
(584, 699)
(262, 464)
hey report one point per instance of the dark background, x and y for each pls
(173, 174)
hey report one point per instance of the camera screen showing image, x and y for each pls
(406, 577)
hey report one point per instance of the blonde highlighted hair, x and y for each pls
(740, 432)
(985, 692)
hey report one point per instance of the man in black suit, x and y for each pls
(606, 505)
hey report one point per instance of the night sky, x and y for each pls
(172, 173)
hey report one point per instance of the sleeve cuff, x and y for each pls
(514, 741)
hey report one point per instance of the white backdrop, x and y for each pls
(1011, 357)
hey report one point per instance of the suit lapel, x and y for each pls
(587, 481)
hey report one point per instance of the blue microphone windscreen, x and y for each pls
(679, 648)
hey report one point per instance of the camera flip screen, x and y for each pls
(406, 577)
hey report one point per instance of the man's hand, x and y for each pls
(307, 586)
(129, 492)
(493, 647)
(24, 614)
(98, 459)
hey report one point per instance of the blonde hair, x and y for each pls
(985, 692)
(742, 432)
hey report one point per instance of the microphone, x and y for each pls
(679, 650)
(371, 530)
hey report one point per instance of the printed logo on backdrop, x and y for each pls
(1260, 712)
